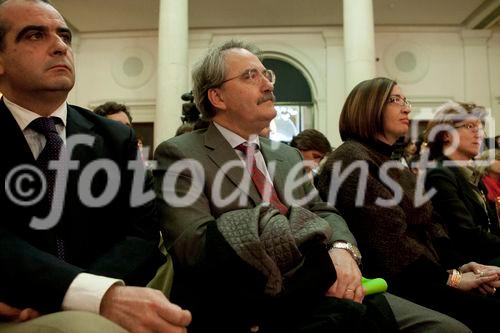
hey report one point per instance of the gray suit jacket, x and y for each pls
(186, 226)
(207, 269)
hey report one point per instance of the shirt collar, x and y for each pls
(234, 139)
(24, 116)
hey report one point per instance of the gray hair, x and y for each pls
(210, 73)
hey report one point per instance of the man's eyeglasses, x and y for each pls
(254, 76)
(471, 127)
(401, 101)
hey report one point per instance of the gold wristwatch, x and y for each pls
(352, 249)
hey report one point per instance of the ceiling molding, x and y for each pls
(485, 16)
(119, 34)
(416, 28)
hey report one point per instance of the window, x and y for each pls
(294, 103)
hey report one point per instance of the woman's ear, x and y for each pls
(216, 97)
(447, 138)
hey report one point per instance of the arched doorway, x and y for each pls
(294, 102)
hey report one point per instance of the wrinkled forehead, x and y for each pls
(237, 60)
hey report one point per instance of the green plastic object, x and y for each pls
(373, 286)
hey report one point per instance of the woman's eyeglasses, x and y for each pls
(401, 101)
(471, 127)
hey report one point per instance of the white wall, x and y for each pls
(494, 65)
(432, 66)
(101, 74)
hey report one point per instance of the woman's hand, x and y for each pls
(471, 281)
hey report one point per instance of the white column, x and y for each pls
(172, 67)
(335, 86)
(476, 69)
(359, 42)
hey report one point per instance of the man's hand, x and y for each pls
(10, 313)
(348, 283)
(143, 310)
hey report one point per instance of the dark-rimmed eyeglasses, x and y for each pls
(254, 76)
(471, 127)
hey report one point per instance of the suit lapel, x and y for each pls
(273, 156)
(77, 124)
(468, 191)
(16, 148)
(221, 152)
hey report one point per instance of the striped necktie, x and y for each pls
(264, 186)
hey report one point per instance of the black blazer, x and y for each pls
(115, 240)
(464, 216)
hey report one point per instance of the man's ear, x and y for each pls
(216, 98)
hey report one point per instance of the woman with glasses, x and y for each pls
(396, 234)
(454, 137)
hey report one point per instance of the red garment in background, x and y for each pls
(493, 187)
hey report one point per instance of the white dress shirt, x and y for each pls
(235, 140)
(86, 290)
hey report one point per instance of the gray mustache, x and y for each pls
(267, 97)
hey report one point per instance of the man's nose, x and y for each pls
(59, 47)
(266, 84)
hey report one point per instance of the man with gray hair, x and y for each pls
(254, 247)
(85, 270)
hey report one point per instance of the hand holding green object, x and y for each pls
(374, 286)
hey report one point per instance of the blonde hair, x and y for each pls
(450, 114)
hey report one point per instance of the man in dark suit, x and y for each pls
(84, 243)
(208, 213)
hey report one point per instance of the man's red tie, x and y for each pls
(259, 179)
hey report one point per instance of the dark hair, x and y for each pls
(311, 139)
(110, 108)
(210, 73)
(184, 128)
(362, 113)
(448, 115)
(4, 27)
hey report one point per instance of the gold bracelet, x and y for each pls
(454, 278)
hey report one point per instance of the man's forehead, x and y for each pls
(29, 12)
(241, 59)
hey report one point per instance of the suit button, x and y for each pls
(254, 329)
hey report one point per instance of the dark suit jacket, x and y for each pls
(115, 240)
(210, 278)
(462, 213)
